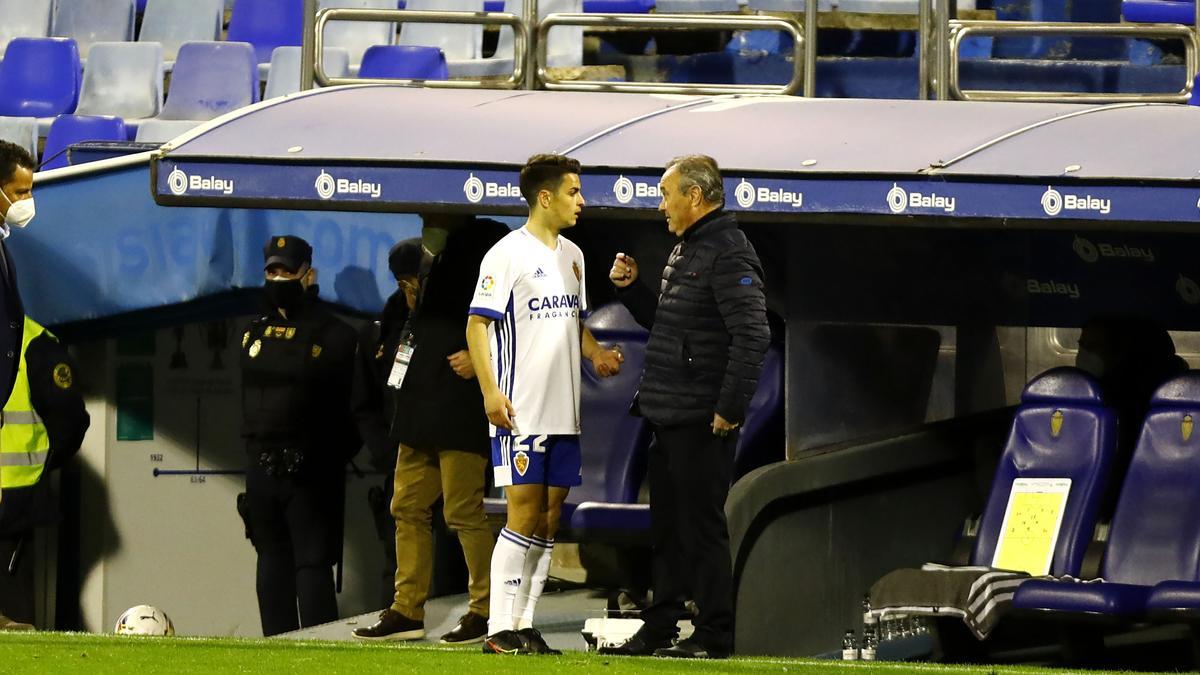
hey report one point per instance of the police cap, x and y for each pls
(288, 250)
(404, 259)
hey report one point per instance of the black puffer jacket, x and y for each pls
(708, 327)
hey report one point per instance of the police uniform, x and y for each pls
(44, 424)
(297, 373)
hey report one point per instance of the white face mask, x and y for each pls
(19, 213)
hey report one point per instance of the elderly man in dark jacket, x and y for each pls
(708, 339)
(438, 419)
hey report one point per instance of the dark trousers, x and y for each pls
(296, 527)
(689, 471)
(16, 589)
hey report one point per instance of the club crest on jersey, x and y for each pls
(521, 462)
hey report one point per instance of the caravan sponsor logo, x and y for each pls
(179, 183)
(626, 190)
(1091, 252)
(563, 306)
(900, 200)
(476, 190)
(1055, 202)
(1051, 287)
(747, 196)
(327, 186)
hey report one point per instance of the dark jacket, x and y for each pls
(372, 401)
(708, 327)
(435, 408)
(60, 405)
(297, 375)
(12, 322)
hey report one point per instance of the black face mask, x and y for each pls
(287, 295)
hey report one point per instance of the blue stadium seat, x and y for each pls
(404, 63)
(457, 41)
(161, 131)
(284, 77)
(174, 22)
(618, 6)
(211, 79)
(762, 440)
(69, 129)
(697, 6)
(564, 44)
(20, 130)
(615, 443)
(1080, 445)
(1159, 11)
(267, 24)
(91, 21)
(24, 18)
(1155, 536)
(357, 36)
(123, 79)
(40, 77)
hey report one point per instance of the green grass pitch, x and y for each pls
(89, 653)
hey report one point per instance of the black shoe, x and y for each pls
(691, 649)
(471, 628)
(504, 642)
(535, 643)
(392, 626)
(637, 645)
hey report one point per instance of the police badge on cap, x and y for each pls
(287, 250)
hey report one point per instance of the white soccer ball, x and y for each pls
(144, 620)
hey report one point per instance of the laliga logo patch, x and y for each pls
(325, 185)
(897, 199)
(521, 462)
(744, 194)
(487, 282)
(177, 182)
(623, 190)
(1052, 202)
(473, 189)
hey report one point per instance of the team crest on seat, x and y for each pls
(1185, 427)
(1056, 422)
(521, 462)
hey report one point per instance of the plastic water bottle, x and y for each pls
(849, 646)
(870, 644)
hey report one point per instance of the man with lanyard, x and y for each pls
(530, 298)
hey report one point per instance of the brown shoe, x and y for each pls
(471, 628)
(9, 624)
(392, 626)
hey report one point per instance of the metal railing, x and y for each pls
(941, 38)
(313, 49)
(529, 47)
(801, 74)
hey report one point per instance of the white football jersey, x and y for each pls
(536, 299)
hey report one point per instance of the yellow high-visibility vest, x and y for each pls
(24, 443)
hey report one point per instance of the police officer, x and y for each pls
(44, 423)
(297, 369)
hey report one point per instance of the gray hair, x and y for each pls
(701, 171)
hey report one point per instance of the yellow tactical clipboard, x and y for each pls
(1031, 522)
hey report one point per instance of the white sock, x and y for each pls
(537, 569)
(508, 561)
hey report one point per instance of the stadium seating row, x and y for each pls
(1150, 569)
(123, 82)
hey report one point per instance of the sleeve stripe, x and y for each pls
(484, 311)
